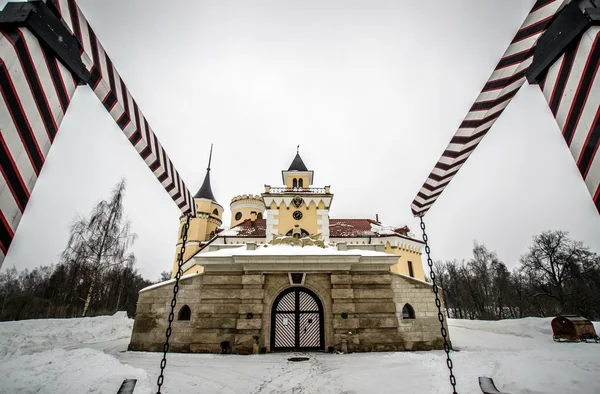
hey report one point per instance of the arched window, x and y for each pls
(295, 183)
(300, 183)
(408, 312)
(185, 313)
(259, 216)
(215, 212)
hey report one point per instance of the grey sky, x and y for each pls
(371, 90)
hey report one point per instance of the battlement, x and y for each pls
(246, 197)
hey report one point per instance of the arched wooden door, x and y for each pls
(297, 321)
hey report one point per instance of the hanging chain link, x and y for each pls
(438, 303)
(163, 362)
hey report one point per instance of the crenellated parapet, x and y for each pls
(246, 207)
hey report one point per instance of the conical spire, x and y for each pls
(297, 163)
(205, 190)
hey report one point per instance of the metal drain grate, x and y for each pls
(298, 359)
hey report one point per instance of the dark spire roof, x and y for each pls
(297, 164)
(205, 190)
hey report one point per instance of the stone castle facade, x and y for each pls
(286, 276)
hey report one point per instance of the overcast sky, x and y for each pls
(371, 90)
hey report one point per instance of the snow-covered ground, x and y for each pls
(89, 356)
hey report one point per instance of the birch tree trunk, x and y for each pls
(88, 299)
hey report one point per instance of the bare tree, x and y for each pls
(101, 241)
(165, 275)
(553, 260)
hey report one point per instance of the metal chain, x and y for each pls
(163, 362)
(438, 303)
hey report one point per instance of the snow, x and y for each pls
(383, 229)
(289, 250)
(67, 355)
(88, 355)
(166, 282)
(229, 232)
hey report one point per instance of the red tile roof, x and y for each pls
(338, 228)
(249, 228)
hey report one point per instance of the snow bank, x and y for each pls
(54, 356)
(69, 371)
(529, 327)
(31, 336)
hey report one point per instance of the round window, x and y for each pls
(238, 216)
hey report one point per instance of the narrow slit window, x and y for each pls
(295, 183)
(185, 313)
(300, 183)
(410, 269)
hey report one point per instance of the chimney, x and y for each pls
(377, 217)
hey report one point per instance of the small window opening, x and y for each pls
(410, 269)
(185, 313)
(215, 212)
(300, 183)
(408, 312)
(212, 235)
(259, 216)
(295, 183)
(238, 216)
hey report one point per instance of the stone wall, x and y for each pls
(152, 312)
(422, 332)
(220, 305)
(362, 312)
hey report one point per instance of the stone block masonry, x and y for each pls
(362, 312)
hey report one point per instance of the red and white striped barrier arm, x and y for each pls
(36, 89)
(110, 89)
(572, 88)
(497, 93)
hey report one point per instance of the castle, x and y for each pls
(286, 276)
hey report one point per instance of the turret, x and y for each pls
(297, 176)
(203, 226)
(246, 207)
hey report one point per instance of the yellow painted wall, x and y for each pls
(406, 256)
(289, 179)
(240, 205)
(196, 269)
(308, 221)
(199, 231)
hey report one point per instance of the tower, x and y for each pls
(203, 226)
(297, 208)
(246, 207)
